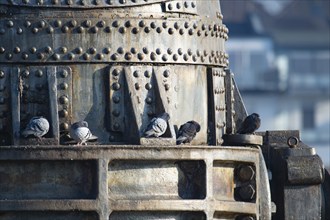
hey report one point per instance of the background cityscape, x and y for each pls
(279, 51)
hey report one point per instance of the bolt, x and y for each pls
(245, 173)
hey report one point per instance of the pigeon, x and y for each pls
(250, 124)
(80, 132)
(157, 126)
(187, 132)
(37, 126)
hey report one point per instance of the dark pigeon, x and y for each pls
(187, 132)
(250, 124)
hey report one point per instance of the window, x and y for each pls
(308, 116)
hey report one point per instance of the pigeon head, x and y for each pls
(165, 116)
(79, 124)
(196, 124)
(255, 115)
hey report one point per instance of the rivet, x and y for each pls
(116, 86)
(26, 87)
(79, 50)
(2, 100)
(186, 24)
(114, 56)
(2, 31)
(128, 24)
(147, 74)
(175, 57)
(167, 86)
(63, 113)
(145, 50)
(137, 86)
(64, 126)
(191, 32)
(142, 23)
(73, 23)
(65, 29)
(57, 23)
(64, 73)
(176, 25)
(199, 33)
(147, 29)
(101, 24)
(128, 56)
(115, 72)
(2, 49)
(158, 51)
(169, 51)
(80, 29)
(185, 57)
(159, 30)
(149, 100)
(107, 50)
(170, 6)
(153, 25)
(86, 56)
(10, 23)
(193, 5)
(2, 88)
(140, 56)
(189, 52)
(25, 56)
(27, 24)
(64, 86)
(202, 59)
(50, 30)
(116, 99)
(92, 50)
(2, 74)
(97, 2)
(180, 51)
(120, 50)
(166, 73)
(136, 73)
(178, 5)
(71, 56)
(48, 49)
(194, 58)
(115, 23)
(170, 31)
(165, 25)
(56, 56)
(17, 50)
(94, 29)
(116, 126)
(25, 73)
(148, 86)
(186, 4)
(25, 1)
(164, 57)
(135, 30)
(87, 23)
(35, 30)
(40, 56)
(153, 56)
(54, 2)
(42, 24)
(116, 113)
(122, 30)
(133, 50)
(63, 49)
(19, 31)
(9, 56)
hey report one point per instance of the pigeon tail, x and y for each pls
(181, 140)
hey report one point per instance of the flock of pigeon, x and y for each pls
(79, 131)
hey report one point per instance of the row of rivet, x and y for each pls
(2, 89)
(79, 2)
(216, 57)
(63, 99)
(116, 86)
(3, 109)
(215, 30)
(179, 5)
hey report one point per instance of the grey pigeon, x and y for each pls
(157, 126)
(250, 124)
(80, 132)
(187, 132)
(38, 126)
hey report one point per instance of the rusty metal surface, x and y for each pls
(156, 182)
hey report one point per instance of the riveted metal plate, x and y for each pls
(117, 98)
(217, 85)
(5, 111)
(80, 4)
(61, 40)
(64, 96)
(189, 7)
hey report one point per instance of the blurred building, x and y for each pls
(281, 65)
